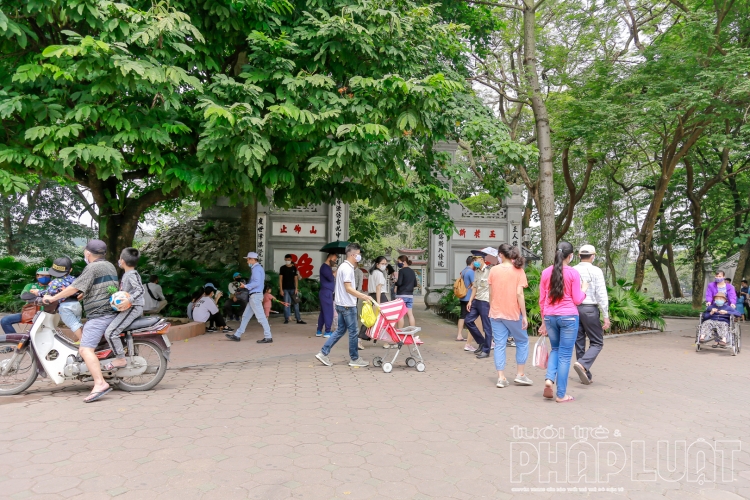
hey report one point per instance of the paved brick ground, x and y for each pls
(267, 421)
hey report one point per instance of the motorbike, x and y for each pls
(45, 351)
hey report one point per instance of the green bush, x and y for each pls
(684, 310)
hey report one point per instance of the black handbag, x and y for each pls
(296, 298)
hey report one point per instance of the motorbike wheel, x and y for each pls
(157, 367)
(21, 378)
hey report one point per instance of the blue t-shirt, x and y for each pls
(468, 274)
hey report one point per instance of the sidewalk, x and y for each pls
(269, 421)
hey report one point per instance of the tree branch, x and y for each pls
(494, 4)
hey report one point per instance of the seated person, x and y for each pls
(716, 320)
(154, 300)
(720, 285)
(42, 280)
(238, 296)
(206, 310)
(70, 310)
(193, 299)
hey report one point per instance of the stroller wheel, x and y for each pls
(377, 361)
(420, 367)
(387, 367)
(411, 362)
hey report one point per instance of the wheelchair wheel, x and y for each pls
(697, 347)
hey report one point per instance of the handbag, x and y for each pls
(28, 312)
(296, 298)
(541, 353)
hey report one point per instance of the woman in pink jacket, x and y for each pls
(560, 291)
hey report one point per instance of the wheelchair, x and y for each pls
(734, 337)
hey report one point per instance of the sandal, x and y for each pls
(95, 396)
(548, 391)
(566, 399)
(110, 367)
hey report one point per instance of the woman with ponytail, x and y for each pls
(508, 312)
(560, 292)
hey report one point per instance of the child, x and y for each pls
(268, 299)
(70, 308)
(131, 283)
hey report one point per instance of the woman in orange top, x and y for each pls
(508, 312)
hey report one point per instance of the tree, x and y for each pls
(35, 222)
(141, 103)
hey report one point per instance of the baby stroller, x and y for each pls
(388, 314)
(734, 337)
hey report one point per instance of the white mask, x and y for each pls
(382, 267)
(358, 258)
(288, 262)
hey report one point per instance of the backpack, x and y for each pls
(459, 287)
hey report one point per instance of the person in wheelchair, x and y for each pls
(716, 320)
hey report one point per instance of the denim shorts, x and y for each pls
(409, 301)
(70, 314)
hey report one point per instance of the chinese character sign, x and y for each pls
(479, 234)
(441, 245)
(515, 235)
(300, 229)
(337, 215)
(260, 237)
(307, 260)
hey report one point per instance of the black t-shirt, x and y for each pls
(407, 280)
(287, 274)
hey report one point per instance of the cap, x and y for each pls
(43, 270)
(209, 285)
(61, 267)
(720, 294)
(235, 275)
(587, 250)
(252, 255)
(96, 246)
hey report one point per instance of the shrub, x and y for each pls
(683, 310)
(676, 300)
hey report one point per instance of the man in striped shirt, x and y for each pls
(594, 306)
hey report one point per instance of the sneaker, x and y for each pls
(232, 337)
(286, 321)
(523, 380)
(493, 345)
(318, 333)
(502, 382)
(323, 359)
(210, 330)
(327, 335)
(227, 329)
(264, 341)
(511, 342)
(469, 348)
(300, 322)
(359, 362)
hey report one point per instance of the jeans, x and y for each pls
(501, 329)
(480, 309)
(8, 321)
(347, 321)
(287, 309)
(254, 308)
(325, 318)
(70, 312)
(562, 332)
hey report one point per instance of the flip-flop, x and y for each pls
(567, 400)
(548, 392)
(460, 340)
(95, 396)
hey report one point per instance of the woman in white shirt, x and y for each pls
(377, 283)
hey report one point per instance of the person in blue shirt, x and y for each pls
(327, 285)
(255, 290)
(468, 276)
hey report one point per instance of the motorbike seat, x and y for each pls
(143, 322)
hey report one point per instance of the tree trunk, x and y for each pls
(248, 233)
(699, 276)
(742, 268)
(672, 270)
(546, 205)
(656, 263)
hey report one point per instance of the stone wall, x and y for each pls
(206, 242)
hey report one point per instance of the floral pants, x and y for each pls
(714, 329)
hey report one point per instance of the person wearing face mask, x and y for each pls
(377, 285)
(405, 284)
(40, 283)
(346, 307)
(235, 305)
(594, 306)
(478, 307)
(96, 281)
(720, 285)
(715, 323)
(327, 286)
(70, 310)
